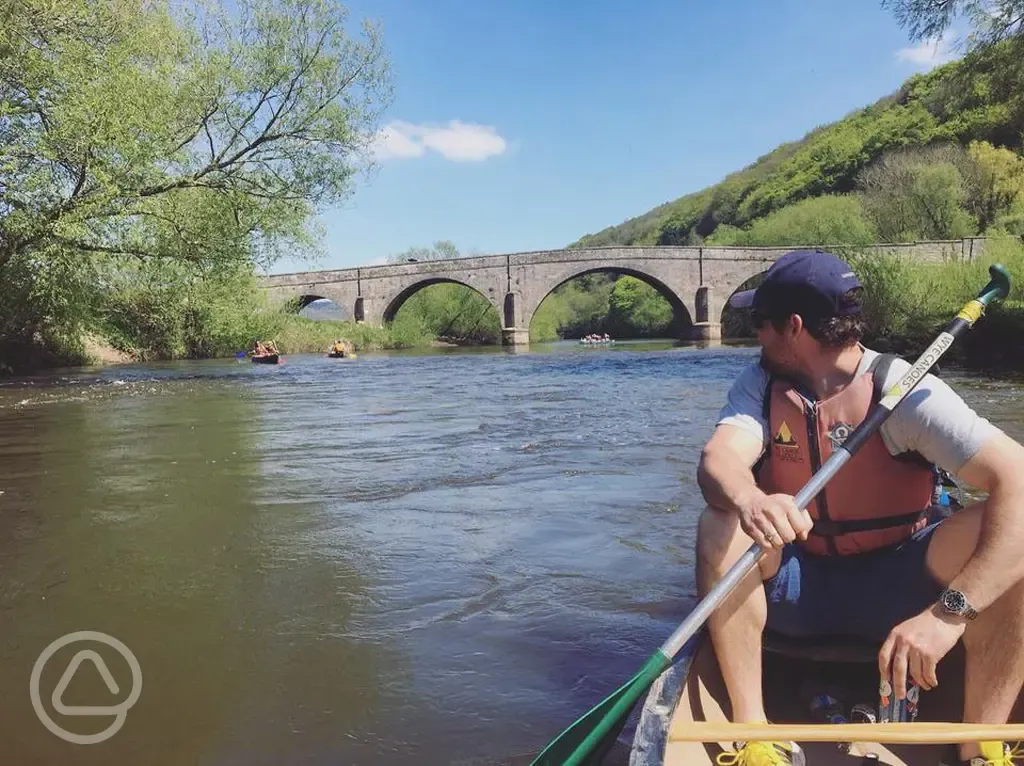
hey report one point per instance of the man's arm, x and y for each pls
(724, 474)
(998, 560)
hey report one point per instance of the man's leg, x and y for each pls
(736, 626)
(994, 641)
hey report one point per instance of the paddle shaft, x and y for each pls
(884, 733)
(956, 327)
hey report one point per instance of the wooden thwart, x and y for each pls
(929, 733)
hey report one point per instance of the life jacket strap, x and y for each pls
(830, 528)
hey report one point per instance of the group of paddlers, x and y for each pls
(259, 348)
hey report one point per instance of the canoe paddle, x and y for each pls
(590, 737)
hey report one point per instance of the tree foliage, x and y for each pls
(638, 310)
(448, 312)
(164, 141)
(915, 194)
(826, 220)
(997, 186)
(441, 250)
(179, 130)
(991, 20)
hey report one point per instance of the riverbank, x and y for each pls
(907, 304)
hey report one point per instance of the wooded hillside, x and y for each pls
(947, 144)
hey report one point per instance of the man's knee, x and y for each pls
(721, 541)
(717, 533)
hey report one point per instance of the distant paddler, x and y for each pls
(341, 349)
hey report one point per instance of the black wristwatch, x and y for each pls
(955, 602)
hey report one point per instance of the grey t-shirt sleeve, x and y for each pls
(935, 421)
(744, 406)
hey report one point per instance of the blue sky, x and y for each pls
(524, 124)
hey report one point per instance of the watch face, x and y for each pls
(954, 601)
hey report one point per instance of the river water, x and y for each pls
(434, 557)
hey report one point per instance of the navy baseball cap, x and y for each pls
(811, 282)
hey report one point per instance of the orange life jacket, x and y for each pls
(875, 499)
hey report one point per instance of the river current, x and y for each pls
(437, 557)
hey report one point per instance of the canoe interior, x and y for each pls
(698, 693)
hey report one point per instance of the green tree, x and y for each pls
(917, 193)
(637, 309)
(575, 308)
(996, 185)
(826, 220)
(441, 250)
(174, 130)
(931, 19)
(164, 131)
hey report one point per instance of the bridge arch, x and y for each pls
(681, 314)
(396, 303)
(320, 304)
(303, 301)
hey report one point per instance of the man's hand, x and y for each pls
(916, 646)
(773, 520)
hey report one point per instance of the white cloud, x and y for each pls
(457, 141)
(926, 54)
(391, 142)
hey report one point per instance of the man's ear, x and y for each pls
(794, 325)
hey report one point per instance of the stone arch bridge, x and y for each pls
(696, 281)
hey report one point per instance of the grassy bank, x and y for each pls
(909, 302)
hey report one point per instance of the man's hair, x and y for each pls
(831, 331)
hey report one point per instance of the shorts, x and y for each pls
(861, 595)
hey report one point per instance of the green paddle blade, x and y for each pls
(998, 286)
(587, 740)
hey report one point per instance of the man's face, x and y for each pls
(777, 352)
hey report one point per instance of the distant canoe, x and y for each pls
(266, 359)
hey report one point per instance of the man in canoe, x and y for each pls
(865, 559)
